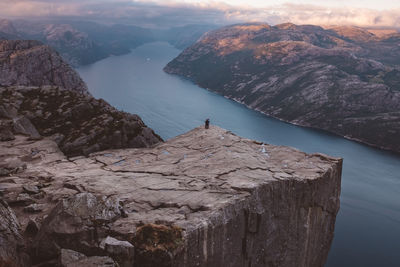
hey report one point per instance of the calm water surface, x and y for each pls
(368, 225)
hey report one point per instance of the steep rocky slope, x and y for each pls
(41, 95)
(205, 198)
(80, 124)
(344, 79)
(30, 63)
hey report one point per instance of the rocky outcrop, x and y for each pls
(30, 63)
(42, 96)
(345, 80)
(11, 241)
(205, 198)
(79, 123)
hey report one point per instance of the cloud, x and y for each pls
(337, 16)
(172, 13)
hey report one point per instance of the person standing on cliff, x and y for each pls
(207, 124)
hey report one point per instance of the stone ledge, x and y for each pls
(236, 202)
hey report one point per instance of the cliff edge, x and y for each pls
(205, 198)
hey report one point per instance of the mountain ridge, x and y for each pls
(84, 42)
(303, 74)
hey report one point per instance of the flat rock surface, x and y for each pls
(204, 178)
(195, 173)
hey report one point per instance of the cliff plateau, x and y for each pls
(205, 198)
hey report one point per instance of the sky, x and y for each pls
(166, 13)
(372, 4)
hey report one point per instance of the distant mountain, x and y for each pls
(378, 44)
(79, 42)
(116, 39)
(85, 42)
(184, 36)
(7, 30)
(30, 63)
(345, 80)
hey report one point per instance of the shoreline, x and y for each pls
(385, 149)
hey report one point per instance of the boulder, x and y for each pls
(31, 189)
(68, 257)
(122, 251)
(79, 222)
(24, 126)
(33, 208)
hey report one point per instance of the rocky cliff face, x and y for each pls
(11, 241)
(80, 124)
(31, 63)
(42, 96)
(206, 198)
(344, 80)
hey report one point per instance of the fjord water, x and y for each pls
(368, 224)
